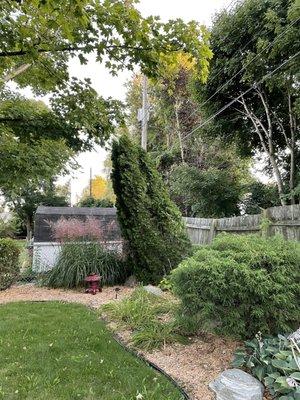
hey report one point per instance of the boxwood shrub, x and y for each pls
(241, 284)
(9, 262)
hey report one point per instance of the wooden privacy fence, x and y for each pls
(284, 220)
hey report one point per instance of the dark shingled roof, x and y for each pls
(75, 211)
(44, 215)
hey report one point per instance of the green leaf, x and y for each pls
(295, 375)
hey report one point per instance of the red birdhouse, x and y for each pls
(93, 282)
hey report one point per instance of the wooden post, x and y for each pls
(266, 223)
(213, 230)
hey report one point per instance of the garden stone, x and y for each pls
(153, 290)
(235, 384)
(131, 281)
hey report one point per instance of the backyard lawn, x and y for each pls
(59, 351)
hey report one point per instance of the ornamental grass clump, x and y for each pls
(83, 252)
(241, 284)
(150, 319)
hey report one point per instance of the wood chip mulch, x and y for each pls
(31, 292)
(194, 366)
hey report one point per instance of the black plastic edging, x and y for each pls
(149, 363)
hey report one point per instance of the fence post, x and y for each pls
(266, 223)
(213, 230)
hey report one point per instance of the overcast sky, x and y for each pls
(106, 85)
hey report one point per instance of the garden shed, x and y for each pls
(46, 247)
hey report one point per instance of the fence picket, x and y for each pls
(284, 220)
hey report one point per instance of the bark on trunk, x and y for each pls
(177, 105)
(265, 136)
(292, 146)
(28, 230)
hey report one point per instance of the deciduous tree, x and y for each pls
(39, 38)
(257, 66)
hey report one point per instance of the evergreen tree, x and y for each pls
(150, 222)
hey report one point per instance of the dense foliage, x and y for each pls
(260, 196)
(9, 227)
(205, 193)
(46, 34)
(150, 222)
(241, 284)
(77, 260)
(9, 262)
(204, 177)
(275, 362)
(39, 38)
(256, 50)
(92, 202)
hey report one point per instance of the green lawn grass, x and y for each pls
(56, 351)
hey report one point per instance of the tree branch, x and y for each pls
(16, 72)
(18, 53)
(267, 111)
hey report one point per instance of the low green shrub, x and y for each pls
(9, 228)
(273, 361)
(9, 262)
(80, 259)
(149, 317)
(166, 285)
(240, 285)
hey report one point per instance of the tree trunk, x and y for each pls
(292, 175)
(278, 179)
(293, 128)
(177, 105)
(265, 136)
(28, 229)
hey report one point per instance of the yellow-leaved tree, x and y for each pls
(99, 188)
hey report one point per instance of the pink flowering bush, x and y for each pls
(84, 252)
(76, 229)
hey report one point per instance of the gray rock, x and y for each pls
(131, 281)
(235, 384)
(295, 335)
(153, 290)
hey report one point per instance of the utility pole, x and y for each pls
(144, 114)
(90, 182)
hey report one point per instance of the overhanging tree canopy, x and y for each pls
(39, 38)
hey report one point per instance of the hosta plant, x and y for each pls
(275, 361)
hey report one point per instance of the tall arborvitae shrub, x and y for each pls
(150, 222)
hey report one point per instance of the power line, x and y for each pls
(231, 5)
(220, 72)
(241, 95)
(249, 62)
